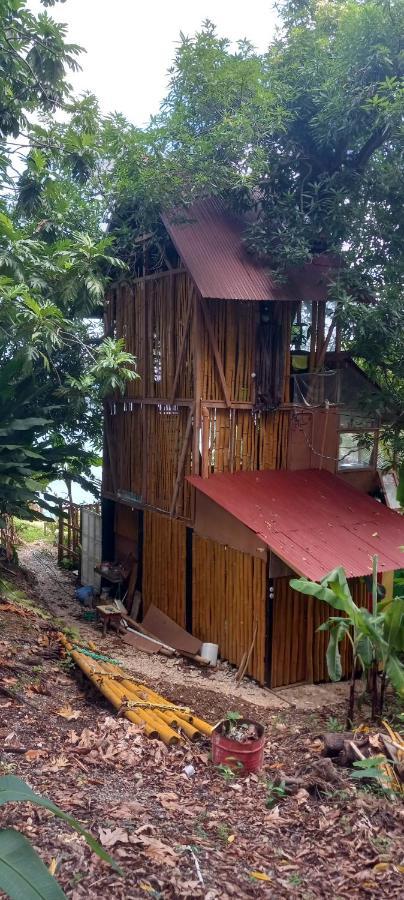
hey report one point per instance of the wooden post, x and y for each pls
(60, 534)
(205, 442)
(197, 350)
(309, 639)
(144, 392)
(313, 335)
(287, 329)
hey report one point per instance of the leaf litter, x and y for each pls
(164, 827)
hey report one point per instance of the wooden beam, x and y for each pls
(143, 408)
(205, 442)
(216, 354)
(322, 352)
(182, 351)
(197, 343)
(181, 461)
(313, 335)
(153, 277)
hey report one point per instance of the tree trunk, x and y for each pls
(351, 702)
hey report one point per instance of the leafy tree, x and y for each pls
(53, 272)
(308, 137)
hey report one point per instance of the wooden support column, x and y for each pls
(197, 357)
(313, 335)
(320, 330)
(287, 332)
(144, 378)
(205, 442)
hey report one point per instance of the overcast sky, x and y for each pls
(130, 44)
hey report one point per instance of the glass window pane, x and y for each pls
(356, 450)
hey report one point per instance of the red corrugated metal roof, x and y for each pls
(210, 243)
(312, 520)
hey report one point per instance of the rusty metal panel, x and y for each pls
(210, 243)
(311, 519)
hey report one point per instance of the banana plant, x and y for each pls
(23, 875)
(376, 637)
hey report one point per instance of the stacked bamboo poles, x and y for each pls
(139, 704)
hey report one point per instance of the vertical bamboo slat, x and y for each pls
(228, 596)
(164, 550)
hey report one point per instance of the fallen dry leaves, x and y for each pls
(133, 794)
(67, 712)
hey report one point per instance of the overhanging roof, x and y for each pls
(210, 243)
(312, 520)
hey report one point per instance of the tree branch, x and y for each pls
(376, 140)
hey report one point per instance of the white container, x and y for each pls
(210, 651)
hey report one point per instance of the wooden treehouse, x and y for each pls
(243, 454)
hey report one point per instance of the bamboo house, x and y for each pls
(242, 455)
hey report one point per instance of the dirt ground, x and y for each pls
(208, 836)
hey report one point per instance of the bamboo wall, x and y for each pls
(191, 352)
(245, 440)
(164, 565)
(153, 316)
(298, 648)
(228, 597)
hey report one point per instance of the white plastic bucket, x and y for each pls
(210, 651)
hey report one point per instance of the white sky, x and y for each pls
(130, 44)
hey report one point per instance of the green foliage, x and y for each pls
(19, 598)
(228, 774)
(35, 61)
(29, 532)
(275, 793)
(333, 724)
(22, 874)
(376, 637)
(371, 768)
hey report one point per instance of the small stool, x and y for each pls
(108, 615)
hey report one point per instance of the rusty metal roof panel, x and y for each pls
(210, 243)
(313, 520)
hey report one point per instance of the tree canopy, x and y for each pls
(54, 266)
(307, 136)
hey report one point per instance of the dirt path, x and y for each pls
(57, 592)
(133, 794)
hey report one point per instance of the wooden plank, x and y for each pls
(197, 342)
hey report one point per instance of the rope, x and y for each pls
(134, 704)
(94, 655)
(120, 677)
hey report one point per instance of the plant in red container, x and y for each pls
(238, 744)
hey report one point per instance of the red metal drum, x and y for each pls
(244, 758)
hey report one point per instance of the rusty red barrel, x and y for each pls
(243, 757)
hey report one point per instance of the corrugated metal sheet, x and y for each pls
(312, 520)
(210, 244)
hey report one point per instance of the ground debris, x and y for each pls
(320, 829)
